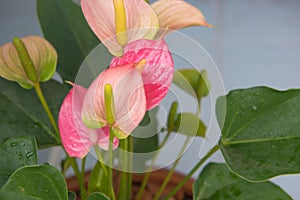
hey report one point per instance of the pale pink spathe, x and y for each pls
(129, 100)
(76, 138)
(158, 71)
(178, 14)
(141, 21)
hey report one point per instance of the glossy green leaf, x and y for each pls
(65, 27)
(15, 153)
(145, 138)
(216, 182)
(193, 82)
(72, 195)
(261, 133)
(22, 114)
(172, 116)
(190, 125)
(142, 143)
(97, 196)
(98, 181)
(38, 182)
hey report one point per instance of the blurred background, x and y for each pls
(253, 43)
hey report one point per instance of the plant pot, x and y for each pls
(155, 180)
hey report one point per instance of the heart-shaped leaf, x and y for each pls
(190, 125)
(216, 182)
(98, 180)
(97, 196)
(22, 114)
(145, 139)
(71, 195)
(193, 82)
(36, 182)
(261, 132)
(15, 153)
(65, 27)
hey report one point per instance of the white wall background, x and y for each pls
(253, 43)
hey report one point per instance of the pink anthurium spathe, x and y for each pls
(128, 106)
(158, 71)
(77, 139)
(119, 22)
(177, 14)
(106, 16)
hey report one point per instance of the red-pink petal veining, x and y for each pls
(103, 139)
(73, 133)
(76, 138)
(158, 71)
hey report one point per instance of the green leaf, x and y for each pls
(36, 182)
(189, 125)
(142, 143)
(22, 114)
(172, 116)
(15, 153)
(216, 182)
(98, 180)
(65, 27)
(97, 196)
(193, 82)
(148, 126)
(71, 195)
(261, 133)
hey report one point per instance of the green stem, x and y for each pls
(40, 95)
(124, 175)
(146, 178)
(172, 170)
(129, 181)
(188, 176)
(100, 160)
(83, 167)
(110, 163)
(79, 178)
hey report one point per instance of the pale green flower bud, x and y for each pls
(28, 60)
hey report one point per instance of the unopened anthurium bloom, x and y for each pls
(28, 60)
(77, 139)
(131, 20)
(128, 102)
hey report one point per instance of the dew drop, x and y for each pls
(13, 144)
(29, 154)
(20, 156)
(254, 108)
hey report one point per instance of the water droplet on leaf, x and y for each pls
(13, 144)
(254, 108)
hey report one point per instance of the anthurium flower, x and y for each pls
(43, 59)
(108, 18)
(129, 104)
(158, 71)
(119, 22)
(77, 139)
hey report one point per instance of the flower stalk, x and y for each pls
(172, 170)
(43, 101)
(189, 175)
(109, 111)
